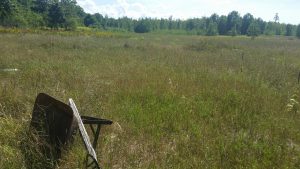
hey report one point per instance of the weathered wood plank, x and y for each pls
(82, 130)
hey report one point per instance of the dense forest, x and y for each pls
(66, 14)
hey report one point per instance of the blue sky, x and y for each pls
(289, 10)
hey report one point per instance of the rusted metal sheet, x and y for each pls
(53, 122)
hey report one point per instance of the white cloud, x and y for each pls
(119, 8)
(154, 9)
(88, 5)
(224, 2)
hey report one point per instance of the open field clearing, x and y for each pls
(176, 101)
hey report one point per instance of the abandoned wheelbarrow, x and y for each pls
(55, 123)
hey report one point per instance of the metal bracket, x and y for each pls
(95, 125)
(91, 159)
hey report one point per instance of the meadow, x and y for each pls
(177, 101)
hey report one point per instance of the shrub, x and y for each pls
(142, 26)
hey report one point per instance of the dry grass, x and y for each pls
(177, 101)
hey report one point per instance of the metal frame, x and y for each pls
(55, 123)
(91, 158)
(92, 121)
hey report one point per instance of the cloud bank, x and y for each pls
(121, 8)
(183, 9)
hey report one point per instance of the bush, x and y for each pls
(142, 27)
(70, 25)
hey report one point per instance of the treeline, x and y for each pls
(68, 15)
(232, 24)
(41, 13)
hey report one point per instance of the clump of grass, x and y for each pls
(79, 32)
(126, 45)
(293, 105)
(21, 148)
(10, 136)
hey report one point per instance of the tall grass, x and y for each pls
(177, 101)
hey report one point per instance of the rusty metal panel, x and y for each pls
(54, 123)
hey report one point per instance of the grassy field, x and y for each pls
(176, 101)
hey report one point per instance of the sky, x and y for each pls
(288, 10)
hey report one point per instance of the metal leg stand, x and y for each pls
(95, 125)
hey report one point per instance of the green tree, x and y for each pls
(253, 30)
(298, 31)
(40, 6)
(233, 31)
(233, 23)
(89, 20)
(55, 16)
(163, 24)
(190, 25)
(270, 28)
(261, 24)
(214, 18)
(289, 30)
(212, 29)
(247, 20)
(6, 9)
(278, 29)
(70, 24)
(222, 25)
(142, 26)
(170, 23)
(127, 24)
(99, 20)
(70, 14)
